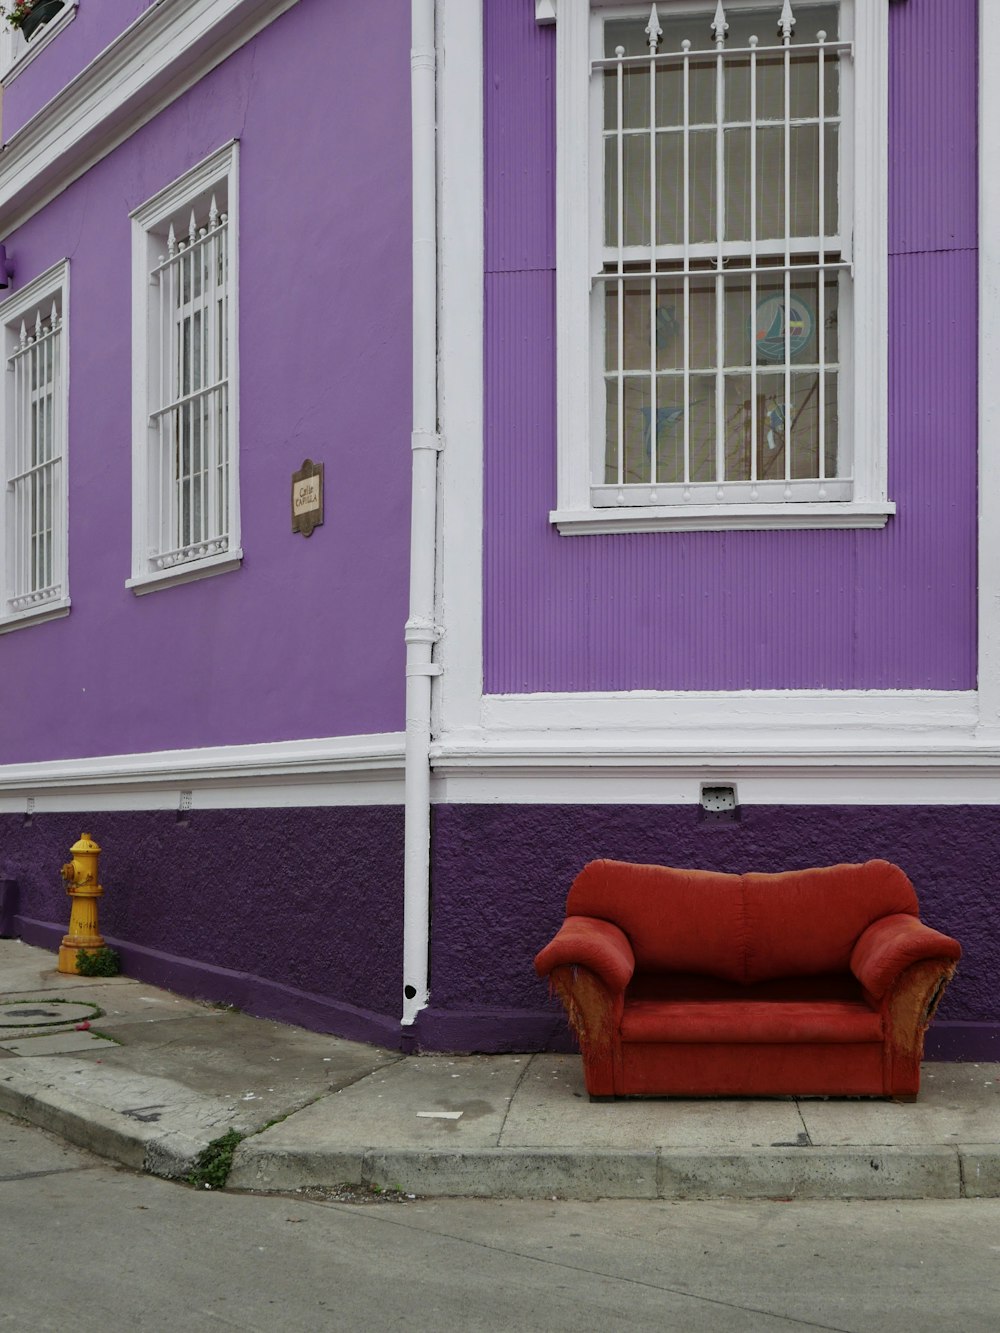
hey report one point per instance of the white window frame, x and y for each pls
(579, 187)
(16, 54)
(218, 171)
(36, 297)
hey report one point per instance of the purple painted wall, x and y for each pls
(96, 25)
(307, 638)
(501, 875)
(834, 610)
(294, 914)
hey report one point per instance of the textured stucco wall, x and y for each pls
(306, 639)
(308, 899)
(501, 874)
(298, 913)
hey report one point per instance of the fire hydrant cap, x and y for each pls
(86, 844)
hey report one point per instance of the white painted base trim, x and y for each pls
(554, 767)
(519, 774)
(576, 779)
(341, 770)
(795, 747)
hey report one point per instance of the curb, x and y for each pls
(160, 1149)
(157, 1126)
(932, 1172)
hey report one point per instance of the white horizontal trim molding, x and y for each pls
(779, 747)
(723, 518)
(340, 770)
(164, 52)
(509, 778)
(843, 721)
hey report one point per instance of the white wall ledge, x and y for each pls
(339, 770)
(722, 518)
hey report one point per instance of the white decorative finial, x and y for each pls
(653, 31)
(719, 25)
(171, 241)
(787, 21)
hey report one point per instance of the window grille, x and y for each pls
(34, 546)
(724, 268)
(190, 471)
(185, 396)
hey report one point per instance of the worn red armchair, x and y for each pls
(692, 983)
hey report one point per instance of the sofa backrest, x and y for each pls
(743, 928)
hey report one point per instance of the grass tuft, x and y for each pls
(212, 1165)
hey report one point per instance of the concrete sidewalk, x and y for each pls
(156, 1078)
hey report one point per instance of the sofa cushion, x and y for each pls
(683, 1008)
(743, 928)
(749, 1021)
(808, 921)
(676, 920)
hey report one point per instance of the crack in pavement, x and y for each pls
(792, 1320)
(510, 1102)
(53, 1171)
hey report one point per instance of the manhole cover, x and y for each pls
(45, 1013)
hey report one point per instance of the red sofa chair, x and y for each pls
(692, 983)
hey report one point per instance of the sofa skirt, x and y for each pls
(743, 1069)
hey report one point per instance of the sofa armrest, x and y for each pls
(586, 941)
(889, 946)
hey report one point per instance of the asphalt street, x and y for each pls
(95, 1247)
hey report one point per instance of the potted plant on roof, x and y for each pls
(28, 15)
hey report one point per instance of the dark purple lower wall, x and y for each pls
(294, 914)
(501, 874)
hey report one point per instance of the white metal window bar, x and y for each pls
(35, 559)
(725, 387)
(189, 473)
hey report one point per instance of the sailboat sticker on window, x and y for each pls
(769, 328)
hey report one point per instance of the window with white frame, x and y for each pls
(18, 51)
(185, 465)
(35, 389)
(721, 321)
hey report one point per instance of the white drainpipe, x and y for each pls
(421, 630)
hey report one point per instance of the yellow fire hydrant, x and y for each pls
(84, 890)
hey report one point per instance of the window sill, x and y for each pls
(723, 518)
(21, 619)
(187, 573)
(41, 39)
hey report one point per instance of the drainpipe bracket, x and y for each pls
(423, 669)
(419, 630)
(427, 439)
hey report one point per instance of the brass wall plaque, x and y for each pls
(307, 497)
